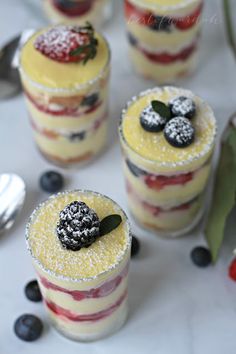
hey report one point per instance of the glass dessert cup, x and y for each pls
(163, 37)
(68, 113)
(166, 185)
(85, 291)
(78, 12)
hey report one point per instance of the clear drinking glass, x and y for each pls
(84, 292)
(163, 37)
(166, 185)
(69, 123)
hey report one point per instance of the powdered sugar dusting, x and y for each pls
(179, 132)
(58, 42)
(151, 119)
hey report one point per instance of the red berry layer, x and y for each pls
(79, 8)
(147, 18)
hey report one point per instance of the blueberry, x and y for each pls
(201, 256)
(90, 100)
(28, 327)
(77, 136)
(136, 171)
(161, 23)
(152, 121)
(135, 246)
(179, 132)
(51, 181)
(132, 40)
(33, 292)
(182, 107)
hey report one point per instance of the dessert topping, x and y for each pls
(179, 132)
(79, 226)
(68, 44)
(154, 117)
(182, 107)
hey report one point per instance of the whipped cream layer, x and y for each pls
(85, 292)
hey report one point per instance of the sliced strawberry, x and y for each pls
(68, 44)
(187, 22)
(159, 182)
(73, 8)
(166, 58)
(136, 15)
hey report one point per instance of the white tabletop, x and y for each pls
(174, 306)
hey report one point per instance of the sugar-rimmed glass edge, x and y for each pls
(81, 279)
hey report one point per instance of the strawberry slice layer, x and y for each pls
(147, 18)
(159, 182)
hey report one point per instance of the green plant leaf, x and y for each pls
(109, 223)
(161, 108)
(223, 194)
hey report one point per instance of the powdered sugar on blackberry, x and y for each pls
(78, 226)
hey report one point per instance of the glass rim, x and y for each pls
(75, 89)
(164, 7)
(157, 163)
(62, 277)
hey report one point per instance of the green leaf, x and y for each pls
(109, 223)
(223, 194)
(161, 108)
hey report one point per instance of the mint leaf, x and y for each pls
(161, 108)
(109, 223)
(223, 194)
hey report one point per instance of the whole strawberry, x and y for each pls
(68, 44)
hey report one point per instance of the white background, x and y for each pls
(174, 306)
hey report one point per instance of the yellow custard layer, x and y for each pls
(55, 75)
(153, 146)
(101, 256)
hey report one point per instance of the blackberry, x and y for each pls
(78, 226)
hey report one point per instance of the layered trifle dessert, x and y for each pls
(65, 75)
(80, 245)
(167, 136)
(163, 37)
(78, 11)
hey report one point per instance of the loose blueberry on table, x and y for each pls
(28, 327)
(32, 291)
(201, 257)
(51, 181)
(135, 246)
